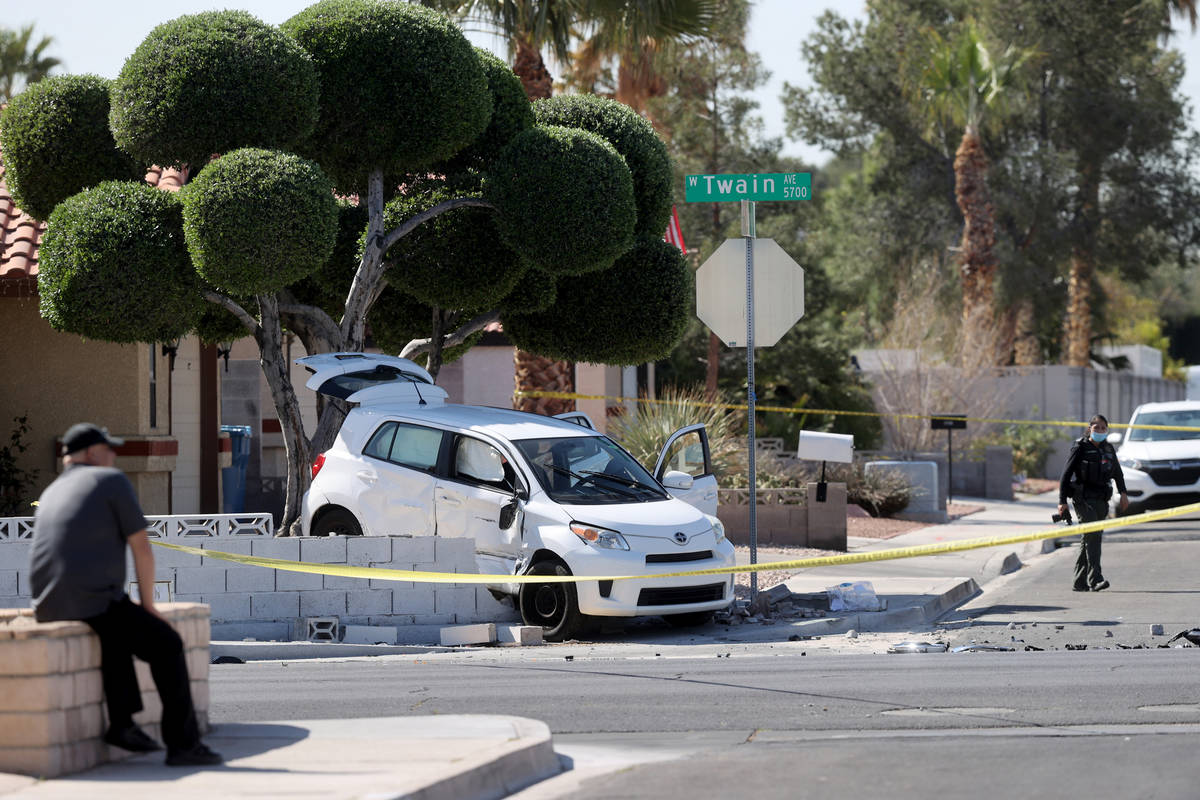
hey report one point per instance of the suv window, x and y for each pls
(480, 463)
(408, 445)
(687, 455)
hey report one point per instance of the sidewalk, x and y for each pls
(451, 757)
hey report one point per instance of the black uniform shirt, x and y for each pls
(80, 529)
(1103, 456)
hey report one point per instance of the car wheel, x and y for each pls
(336, 522)
(689, 620)
(554, 607)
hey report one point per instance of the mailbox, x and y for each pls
(816, 446)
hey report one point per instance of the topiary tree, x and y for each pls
(455, 206)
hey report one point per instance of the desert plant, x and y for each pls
(881, 493)
(1031, 444)
(644, 433)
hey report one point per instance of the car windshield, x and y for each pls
(589, 470)
(1187, 418)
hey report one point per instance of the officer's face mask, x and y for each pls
(1099, 436)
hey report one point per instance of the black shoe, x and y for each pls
(1080, 589)
(196, 756)
(1100, 587)
(131, 738)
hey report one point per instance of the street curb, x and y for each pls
(296, 651)
(523, 761)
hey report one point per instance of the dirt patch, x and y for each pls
(1037, 486)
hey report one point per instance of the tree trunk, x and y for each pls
(274, 366)
(535, 373)
(1078, 326)
(531, 69)
(978, 263)
(1026, 350)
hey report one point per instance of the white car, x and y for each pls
(539, 496)
(1162, 468)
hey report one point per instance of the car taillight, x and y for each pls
(316, 465)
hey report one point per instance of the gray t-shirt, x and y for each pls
(80, 529)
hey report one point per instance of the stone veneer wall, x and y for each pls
(264, 603)
(51, 699)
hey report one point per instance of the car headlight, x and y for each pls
(600, 537)
(1132, 463)
(718, 528)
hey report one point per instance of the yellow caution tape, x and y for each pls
(417, 576)
(833, 412)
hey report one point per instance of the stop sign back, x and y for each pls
(778, 292)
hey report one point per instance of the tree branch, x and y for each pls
(315, 318)
(441, 208)
(418, 346)
(232, 306)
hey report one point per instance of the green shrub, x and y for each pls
(881, 493)
(633, 312)
(644, 433)
(634, 138)
(453, 260)
(257, 220)
(565, 199)
(1031, 445)
(511, 114)
(328, 286)
(16, 481)
(208, 83)
(114, 266)
(56, 141)
(401, 87)
(535, 290)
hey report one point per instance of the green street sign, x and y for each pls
(763, 186)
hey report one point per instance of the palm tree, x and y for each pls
(19, 65)
(959, 83)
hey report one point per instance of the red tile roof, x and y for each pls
(20, 234)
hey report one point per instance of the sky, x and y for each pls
(94, 36)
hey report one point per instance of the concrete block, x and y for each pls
(293, 581)
(387, 583)
(15, 555)
(15, 601)
(323, 550)
(166, 557)
(489, 609)
(229, 606)
(88, 686)
(249, 579)
(340, 582)
(921, 475)
(288, 549)
(364, 550)
(226, 544)
(258, 631)
(1000, 564)
(8, 582)
(453, 553)
(33, 656)
(827, 521)
(519, 635)
(274, 605)
(418, 600)
(36, 692)
(200, 580)
(23, 587)
(322, 603)
(415, 550)
(997, 473)
(440, 620)
(484, 633)
(369, 634)
(454, 600)
(364, 602)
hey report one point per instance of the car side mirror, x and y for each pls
(508, 514)
(674, 479)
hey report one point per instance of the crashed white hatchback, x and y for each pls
(539, 495)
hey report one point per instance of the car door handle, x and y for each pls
(366, 476)
(450, 501)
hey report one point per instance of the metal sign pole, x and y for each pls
(748, 234)
(949, 466)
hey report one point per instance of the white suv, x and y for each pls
(539, 496)
(1162, 468)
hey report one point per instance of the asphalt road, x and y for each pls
(792, 719)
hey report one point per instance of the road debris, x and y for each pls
(984, 647)
(918, 647)
(1156, 630)
(1192, 635)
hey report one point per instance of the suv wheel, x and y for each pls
(336, 522)
(554, 607)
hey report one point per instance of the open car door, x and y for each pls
(687, 451)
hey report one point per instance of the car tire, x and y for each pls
(690, 619)
(553, 607)
(336, 522)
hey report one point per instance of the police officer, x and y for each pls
(1087, 479)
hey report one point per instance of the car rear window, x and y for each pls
(342, 386)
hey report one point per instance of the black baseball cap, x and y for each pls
(83, 435)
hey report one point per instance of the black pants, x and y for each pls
(1087, 565)
(127, 630)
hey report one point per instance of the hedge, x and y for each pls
(208, 83)
(511, 114)
(401, 87)
(258, 220)
(565, 199)
(634, 312)
(634, 138)
(55, 140)
(113, 266)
